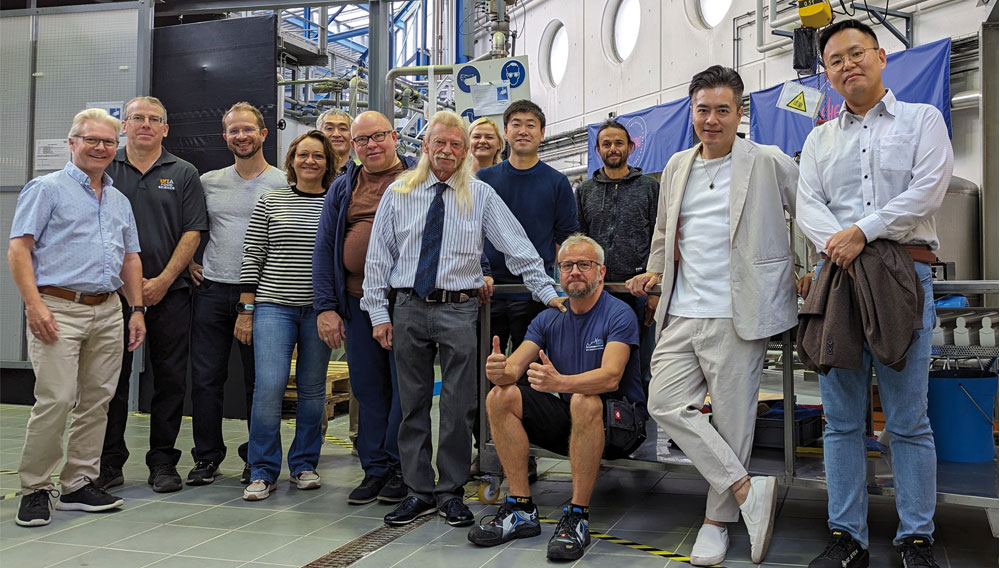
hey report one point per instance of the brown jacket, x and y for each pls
(882, 305)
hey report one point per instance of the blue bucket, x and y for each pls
(961, 408)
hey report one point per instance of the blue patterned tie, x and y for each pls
(430, 245)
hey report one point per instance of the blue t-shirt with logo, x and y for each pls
(575, 342)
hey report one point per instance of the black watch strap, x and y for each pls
(140, 309)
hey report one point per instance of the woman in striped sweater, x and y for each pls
(276, 313)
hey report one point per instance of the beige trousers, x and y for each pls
(78, 373)
(697, 356)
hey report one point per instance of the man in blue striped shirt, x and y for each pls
(435, 281)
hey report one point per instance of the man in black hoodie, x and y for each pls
(617, 208)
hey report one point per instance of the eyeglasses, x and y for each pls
(141, 118)
(583, 265)
(856, 56)
(247, 131)
(94, 142)
(375, 137)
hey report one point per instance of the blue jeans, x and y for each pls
(373, 382)
(276, 331)
(914, 462)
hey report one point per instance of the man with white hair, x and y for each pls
(335, 124)
(425, 248)
(589, 356)
(73, 243)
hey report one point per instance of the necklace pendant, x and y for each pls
(711, 186)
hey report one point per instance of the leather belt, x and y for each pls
(444, 296)
(74, 296)
(919, 253)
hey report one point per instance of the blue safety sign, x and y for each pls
(513, 72)
(463, 78)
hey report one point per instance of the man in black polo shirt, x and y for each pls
(169, 207)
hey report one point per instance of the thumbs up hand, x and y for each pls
(496, 362)
(543, 376)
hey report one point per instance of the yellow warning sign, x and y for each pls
(798, 103)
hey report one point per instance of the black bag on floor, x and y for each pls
(624, 427)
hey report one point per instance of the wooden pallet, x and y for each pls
(337, 388)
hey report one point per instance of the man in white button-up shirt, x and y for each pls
(878, 171)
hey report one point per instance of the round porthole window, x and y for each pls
(620, 28)
(554, 54)
(713, 11)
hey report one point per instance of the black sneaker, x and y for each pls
(90, 499)
(394, 489)
(917, 552)
(367, 491)
(164, 478)
(456, 513)
(507, 524)
(203, 472)
(110, 477)
(571, 536)
(841, 551)
(409, 510)
(245, 476)
(34, 508)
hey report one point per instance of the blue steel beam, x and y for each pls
(303, 24)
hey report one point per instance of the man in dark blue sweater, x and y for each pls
(541, 199)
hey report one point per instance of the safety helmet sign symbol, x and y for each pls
(466, 75)
(513, 73)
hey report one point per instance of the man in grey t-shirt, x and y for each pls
(230, 196)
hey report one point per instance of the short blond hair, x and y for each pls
(496, 130)
(243, 106)
(94, 115)
(149, 101)
(581, 239)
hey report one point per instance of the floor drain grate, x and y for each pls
(364, 545)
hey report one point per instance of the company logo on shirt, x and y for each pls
(595, 344)
(167, 183)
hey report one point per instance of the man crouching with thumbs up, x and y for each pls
(588, 356)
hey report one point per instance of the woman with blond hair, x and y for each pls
(485, 143)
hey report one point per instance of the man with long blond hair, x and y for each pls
(427, 239)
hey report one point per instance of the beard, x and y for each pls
(577, 293)
(615, 161)
(254, 148)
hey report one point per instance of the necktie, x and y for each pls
(430, 245)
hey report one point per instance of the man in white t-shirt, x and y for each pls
(230, 196)
(720, 250)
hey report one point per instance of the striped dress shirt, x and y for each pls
(394, 249)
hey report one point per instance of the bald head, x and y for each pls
(375, 155)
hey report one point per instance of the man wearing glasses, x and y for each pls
(878, 171)
(589, 356)
(73, 314)
(338, 272)
(169, 207)
(230, 196)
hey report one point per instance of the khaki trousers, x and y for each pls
(78, 373)
(697, 356)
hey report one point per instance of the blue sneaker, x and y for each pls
(571, 536)
(508, 523)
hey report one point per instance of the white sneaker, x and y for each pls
(758, 514)
(306, 480)
(258, 490)
(711, 545)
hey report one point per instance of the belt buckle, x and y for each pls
(78, 298)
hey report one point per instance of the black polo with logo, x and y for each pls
(167, 201)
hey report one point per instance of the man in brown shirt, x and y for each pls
(338, 273)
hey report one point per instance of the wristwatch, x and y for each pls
(242, 308)
(140, 309)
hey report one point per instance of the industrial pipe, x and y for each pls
(966, 100)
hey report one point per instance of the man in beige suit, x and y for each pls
(720, 250)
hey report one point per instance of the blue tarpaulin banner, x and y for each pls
(658, 133)
(917, 75)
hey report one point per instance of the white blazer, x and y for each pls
(762, 269)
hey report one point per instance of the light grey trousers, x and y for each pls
(420, 330)
(692, 357)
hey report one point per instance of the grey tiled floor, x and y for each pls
(212, 527)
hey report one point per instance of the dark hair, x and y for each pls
(524, 105)
(831, 30)
(612, 123)
(331, 157)
(717, 76)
